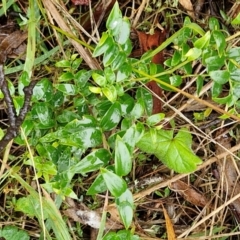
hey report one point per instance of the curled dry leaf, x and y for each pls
(189, 193)
(10, 43)
(187, 4)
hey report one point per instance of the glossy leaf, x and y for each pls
(185, 49)
(110, 92)
(65, 77)
(127, 196)
(67, 116)
(11, 87)
(50, 137)
(57, 99)
(155, 119)
(216, 89)
(24, 79)
(102, 107)
(124, 31)
(124, 72)
(43, 113)
(120, 90)
(127, 103)
(127, 47)
(103, 45)
(133, 135)
(111, 118)
(220, 76)
(98, 186)
(188, 68)
(115, 184)
(68, 89)
(213, 24)
(99, 79)
(176, 58)
(123, 158)
(118, 60)
(174, 151)
(138, 110)
(203, 41)
(235, 75)
(220, 40)
(236, 90)
(110, 55)
(86, 138)
(110, 75)
(175, 80)
(76, 63)
(111, 140)
(96, 90)
(114, 16)
(193, 54)
(126, 213)
(63, 64)
(214, 62)
(81, 78)
(234, 53)
(91, 162)
(78, 125)
(43, 90)
(146, 98)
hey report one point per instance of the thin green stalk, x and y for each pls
(103, 220)
(31, 45)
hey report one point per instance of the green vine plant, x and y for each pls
(99, 120)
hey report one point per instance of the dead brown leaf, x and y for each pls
(151, 42)
(189, 193)
(187, 4)
(169, 226)
(10, 43)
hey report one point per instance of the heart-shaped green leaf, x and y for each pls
(173, 151)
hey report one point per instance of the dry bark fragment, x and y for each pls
(189, 193)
